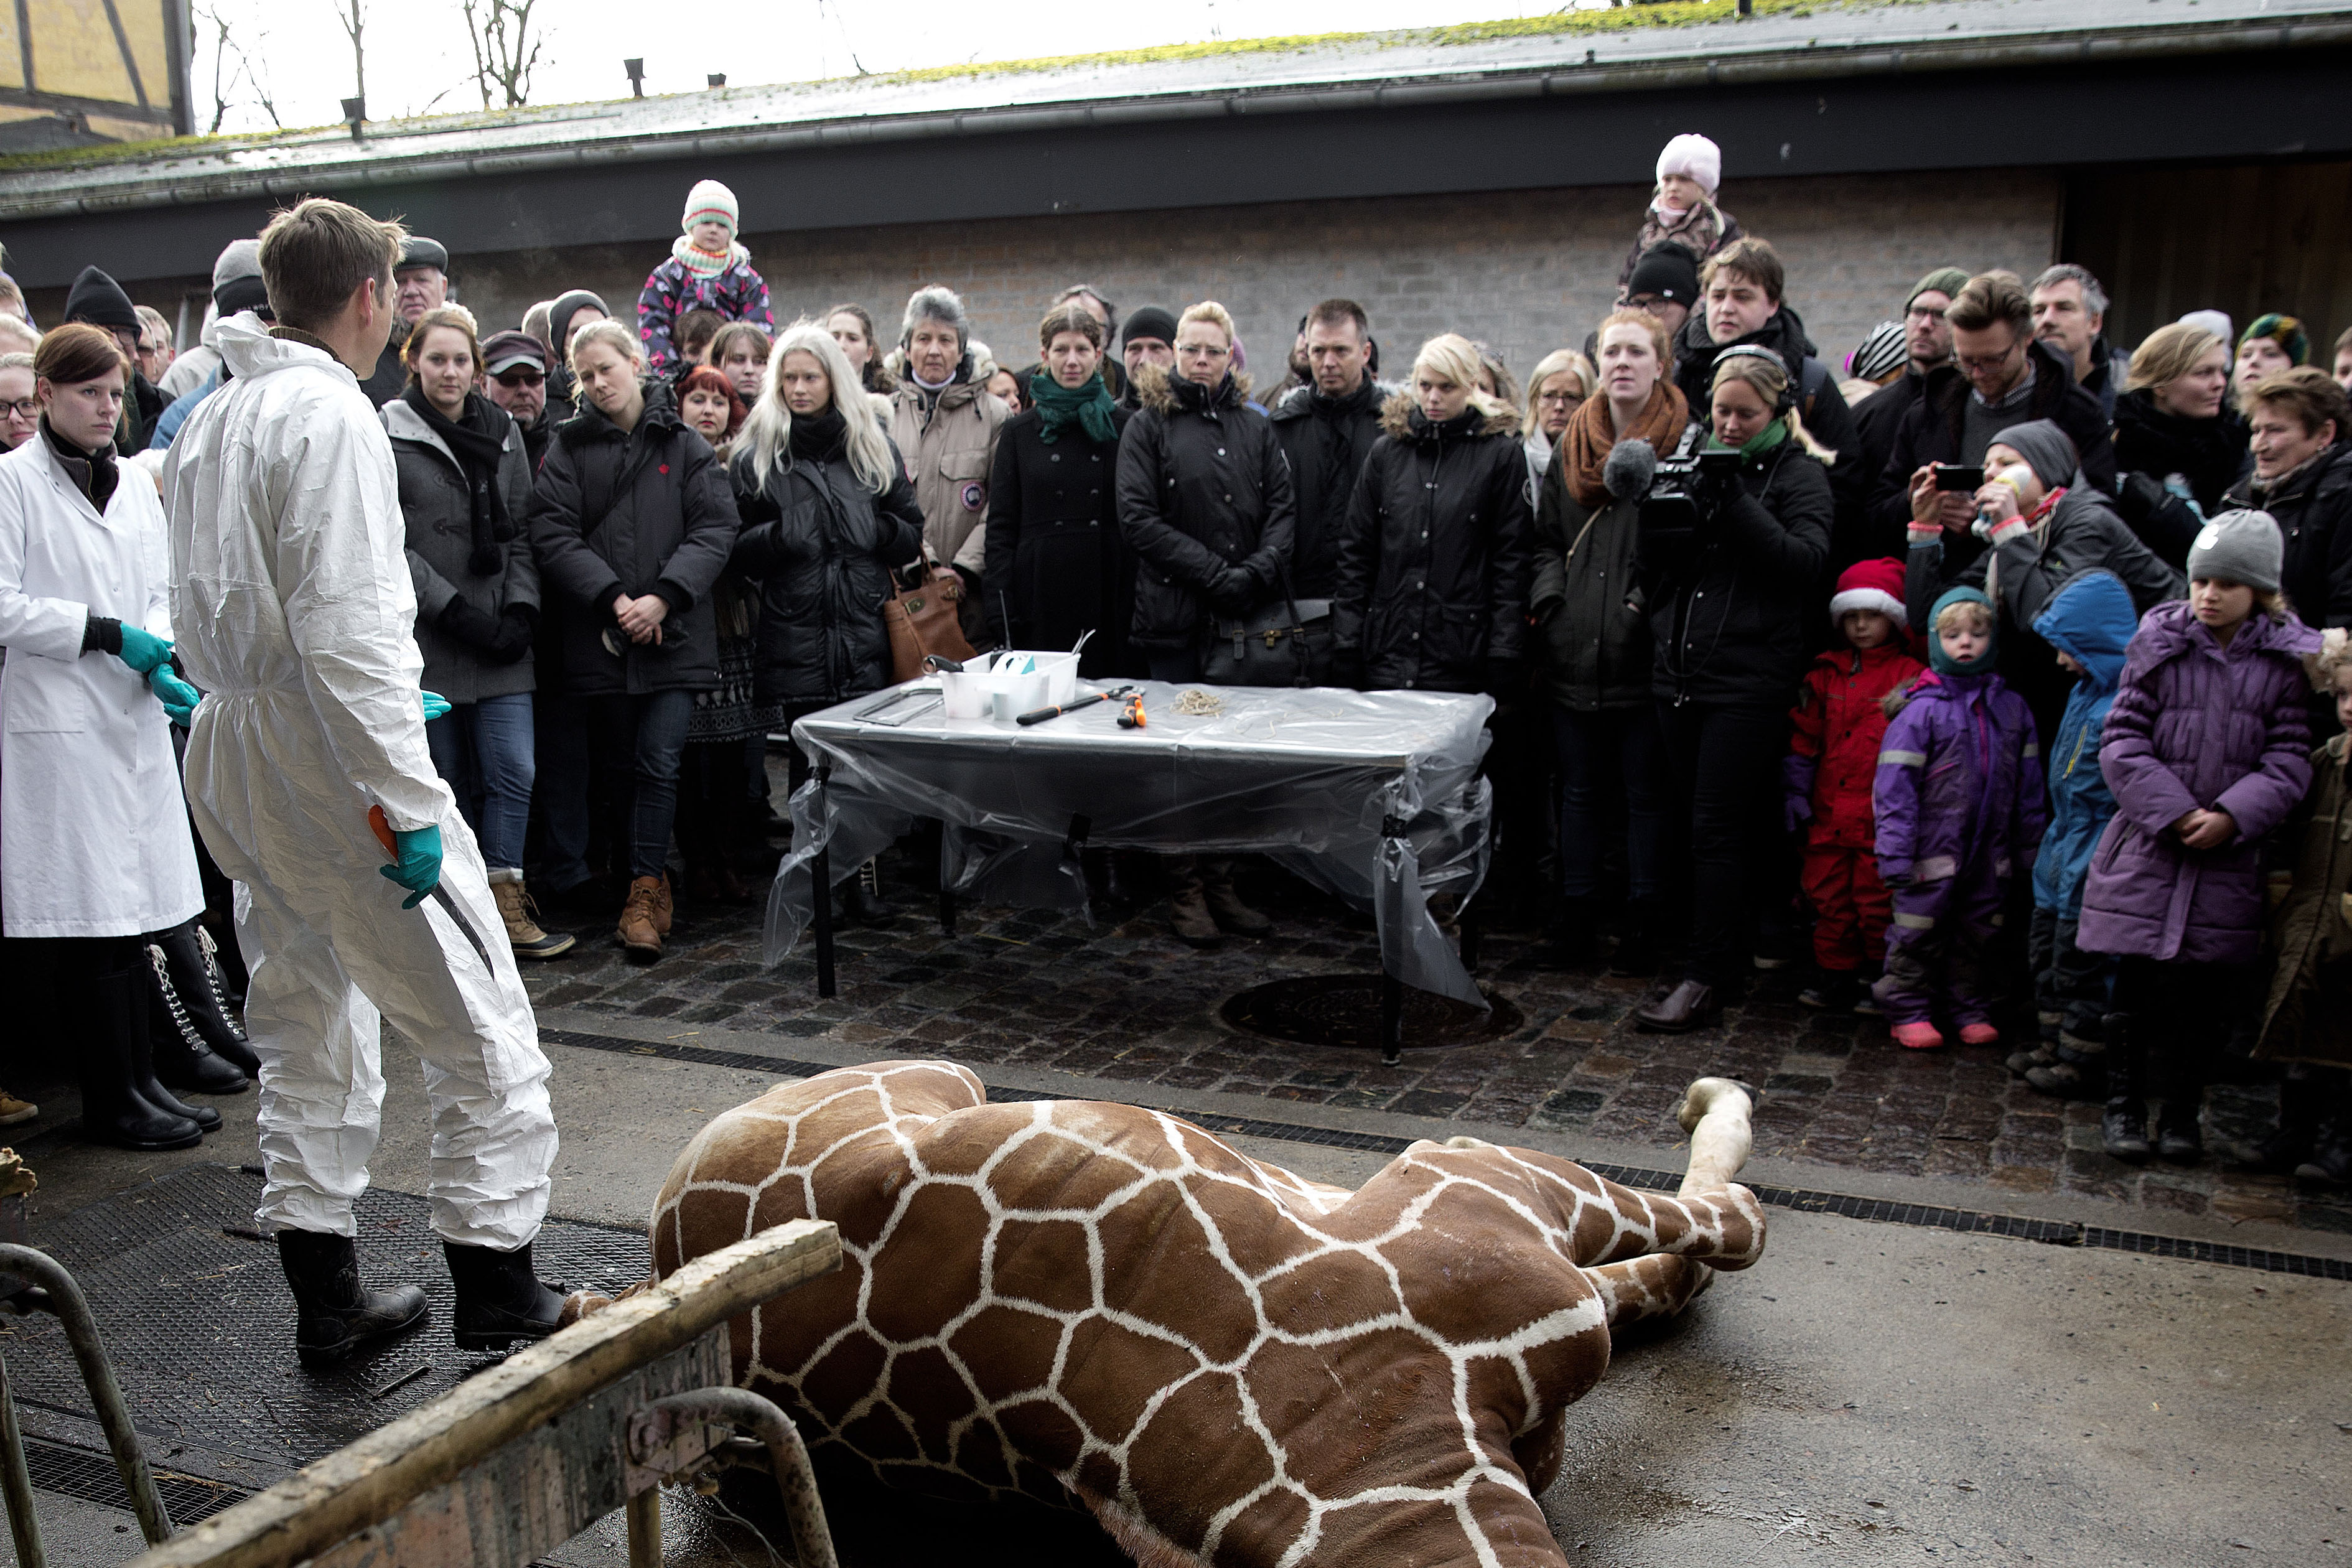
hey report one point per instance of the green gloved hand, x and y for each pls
(417, 855)
(436, 705)
(179, 698)
(142, 651)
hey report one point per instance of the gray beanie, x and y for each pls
(241, 260)
(2047, 450)
(2240, 547)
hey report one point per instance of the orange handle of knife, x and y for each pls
(382, 828)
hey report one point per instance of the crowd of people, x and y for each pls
(2009, 664)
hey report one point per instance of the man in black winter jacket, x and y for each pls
(1744, 283)
(1326, 431)
(2007, 378)
(98, 301)
(1927, 345)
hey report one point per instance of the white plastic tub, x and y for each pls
(970, 694)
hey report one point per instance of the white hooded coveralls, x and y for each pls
(291, 596)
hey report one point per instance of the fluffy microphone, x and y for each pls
(1629, 468)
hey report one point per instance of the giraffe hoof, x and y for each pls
(1705, 1093)
(1464, 1141)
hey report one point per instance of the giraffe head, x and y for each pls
(1226, 1363)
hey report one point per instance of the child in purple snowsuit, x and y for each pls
(706, 270)
(2208, 750)
(1959, 799)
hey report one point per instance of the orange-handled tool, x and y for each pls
(381, 826)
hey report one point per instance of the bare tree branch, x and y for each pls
(505, 53)
(353, 14)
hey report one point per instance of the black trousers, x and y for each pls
(1725, 762)
(2180, 1016)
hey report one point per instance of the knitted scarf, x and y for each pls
(1756, 446)
(477, 439)
(1087, 406)
(818, 437)
(703, 264)
(1591, 432)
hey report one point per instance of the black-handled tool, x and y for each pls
(1042, 714)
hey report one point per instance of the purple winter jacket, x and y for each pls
(2197, 726)
(1958, 784)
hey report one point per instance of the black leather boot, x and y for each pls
(195, 972)
(2122, 1125)
(501, 1297)
(113, 1110)
(182, 1058)
(1637, 939)
(336, 1316)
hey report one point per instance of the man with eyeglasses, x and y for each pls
(1927, 345)
(2007, 378)
(514, 376)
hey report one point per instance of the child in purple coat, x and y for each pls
(1960, 808)
(706, 270)
(2208, 750)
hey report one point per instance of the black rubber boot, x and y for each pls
(2122, 1127)
(501, 1297)
(112, 1108)
(143, 1081)
(1637, 939)
(182, 1058)
(195, 973)
(336, 1316)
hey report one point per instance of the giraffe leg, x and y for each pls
(1658, 1286)
(1714, 1111)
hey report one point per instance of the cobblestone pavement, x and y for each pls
(1125, 1003)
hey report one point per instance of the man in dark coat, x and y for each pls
(2070, 314)
(1928, 344)
(421, 282)
(2007, 378)
(98, 300)
(1327, 430)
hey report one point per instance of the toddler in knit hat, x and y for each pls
(1682, 207)
(707, 269)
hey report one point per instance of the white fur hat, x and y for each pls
(1693, 154)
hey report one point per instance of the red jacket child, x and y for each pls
(1835, 733)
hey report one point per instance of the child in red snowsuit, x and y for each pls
(1833, 743)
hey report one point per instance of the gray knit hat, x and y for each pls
(2046, 448)
(240, 259)
(2240, 547)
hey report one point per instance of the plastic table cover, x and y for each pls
(1373, 795)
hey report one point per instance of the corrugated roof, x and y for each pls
(1580, 51)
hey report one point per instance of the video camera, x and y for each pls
(1682, 494)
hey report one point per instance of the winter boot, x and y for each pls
(1636, 954)
(501, 1297)
(2071, 1073)
(2330, 1156)
(112, 1112)
(196, 976)
(1188, 904)
(14, 1110)
(1834, 991)
(1865, 1000)
(645, 919)
(862, 903)
(2122, 1126)
(523, 932)
(2021, 1064)
(1981, 1033)
(1921, 1035)
(336, 1316)
(1574, 935)
(1225, 905)
(180, 1057)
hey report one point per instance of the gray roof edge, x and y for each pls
(68, 192)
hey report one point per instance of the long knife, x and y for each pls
(382, 826)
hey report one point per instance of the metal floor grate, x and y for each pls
(91, 1477)
(200, 1326)
(2060, 1233)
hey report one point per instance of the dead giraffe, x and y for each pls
(1225, 1362)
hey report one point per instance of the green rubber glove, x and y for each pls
(179, 698)
(435, 706)
(417, 855)
(142, 651)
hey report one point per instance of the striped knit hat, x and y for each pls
(709, 199)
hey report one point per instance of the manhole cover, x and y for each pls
(1344, 1011)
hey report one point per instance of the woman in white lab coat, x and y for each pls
(94, 840)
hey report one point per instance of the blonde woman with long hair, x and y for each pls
(1433, 579)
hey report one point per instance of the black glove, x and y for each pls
(512, 641)
(1505, 677)
(1232, 591)
(468, 624)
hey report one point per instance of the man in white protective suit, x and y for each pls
(291, 598)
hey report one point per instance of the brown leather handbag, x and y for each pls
(922, 618)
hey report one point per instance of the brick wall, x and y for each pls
(1527, 271)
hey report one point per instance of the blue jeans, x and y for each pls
(560, 797)
(1614, 748)
(484, 752)
(643, 739)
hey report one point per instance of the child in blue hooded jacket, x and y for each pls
(2090, 622)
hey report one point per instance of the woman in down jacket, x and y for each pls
(2207, 749)
(1431, 593)
(828, 512)
(632, 524)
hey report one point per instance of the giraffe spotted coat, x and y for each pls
(1225, 1362)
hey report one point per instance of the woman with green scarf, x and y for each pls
(1056, 566)
(1731, 604)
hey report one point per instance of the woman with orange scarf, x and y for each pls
(1594, 647)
